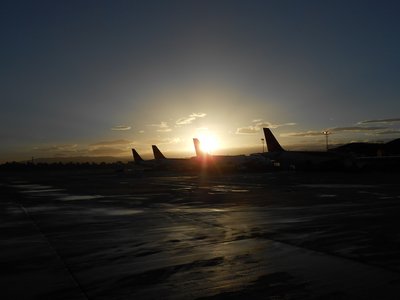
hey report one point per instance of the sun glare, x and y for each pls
(208, 143)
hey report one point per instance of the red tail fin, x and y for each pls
(197, 148)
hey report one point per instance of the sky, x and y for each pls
(96, 78)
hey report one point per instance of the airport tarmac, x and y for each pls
(276, 235)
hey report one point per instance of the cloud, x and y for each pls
(162, 127)
(356, 128)
(185, 120)
(175, 140)
(334, 130)
(63, 150)
(110, 143)
(121, 128)
(115, 148)
(109, 148)
(198, 115)
(247, 130)
(64, 147)
(389, 131)
(189, 119)
(380, 121)
(302, 134)
(106, 151)
(259, 124)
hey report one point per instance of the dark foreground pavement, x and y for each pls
(99, 235)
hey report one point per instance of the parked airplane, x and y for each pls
(160, 162)
(173, 163)
(230, 162)
(203, 161)
(136, 157)
(374, 156)
(139, 161)
(306, 160)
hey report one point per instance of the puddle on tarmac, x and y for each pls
(79, 197)
(32, 187)
(228, 189)
(43, 208)
(134, 197)
(117, 212)
(189, 209)
(326, 196)
(40, 190)
(44, 191)
(339, 186)
(155, 195)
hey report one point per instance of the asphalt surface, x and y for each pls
(283, 235)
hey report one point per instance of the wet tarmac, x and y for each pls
(102, 235)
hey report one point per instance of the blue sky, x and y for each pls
(99, 77)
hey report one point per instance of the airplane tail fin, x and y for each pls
(197, 148)
(136, 157)
(157, 153)
(272, 144)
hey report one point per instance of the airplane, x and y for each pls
(254, 161)
(160, 162)
(374, 156)
(304, 160)
(173, 163)
(139, 161)
(136, 157)
(203, 161)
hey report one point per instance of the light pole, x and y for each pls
(262, 142)
(326, 133)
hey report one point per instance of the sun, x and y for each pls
(208, 143)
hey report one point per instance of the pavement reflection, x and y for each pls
(256, 235)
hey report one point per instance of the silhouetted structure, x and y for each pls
(391, 148)
(304, 160)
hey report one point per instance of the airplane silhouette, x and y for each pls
(203, 161)
(304, 160)
(254, 161)
(160, 162)
(143, 164)
(173, 163)
(136, 157)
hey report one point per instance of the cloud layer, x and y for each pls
(121, 128)
(380, 121)
(189, 119)
(113, 142)
(258, 125)
(55, 148)
(162, 127)
(335, 130)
